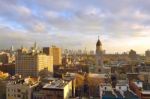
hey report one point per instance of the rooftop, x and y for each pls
(121, 91)
(144, 85)
(130, 95)
(27, 81)
(127, 95)
(108, 94)
(56, 84)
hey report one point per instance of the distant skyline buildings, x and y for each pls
(70, 25)
(77, 50)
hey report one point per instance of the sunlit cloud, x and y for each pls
(76, 24)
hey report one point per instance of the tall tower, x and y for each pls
(12, 48)
(99, 56)
(35, 46)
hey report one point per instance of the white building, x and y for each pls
(121, 90)
(20, 89)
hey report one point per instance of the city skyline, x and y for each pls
(121, 25)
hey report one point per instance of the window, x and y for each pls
(18, 90)
(119, 87)
(18, 95)
(105, 88)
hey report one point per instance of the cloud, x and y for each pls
(76, 21)
(23, 11)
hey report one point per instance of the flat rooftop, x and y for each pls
(58, 84)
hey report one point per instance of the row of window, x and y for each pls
(14, 90)
(119, 88)
(15, 95)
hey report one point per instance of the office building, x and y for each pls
(31, 63)
(55, 52)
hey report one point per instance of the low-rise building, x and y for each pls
(3, 82)
(121, 91)
(3, 89)
(142, 89)
(21, 88)
(71, 77)
(56, 89)
(6, 57)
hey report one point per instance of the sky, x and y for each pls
(76, 24)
